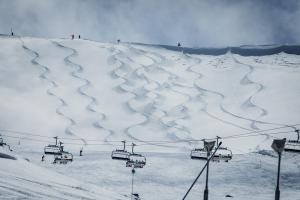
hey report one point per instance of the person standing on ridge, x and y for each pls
(72, 36)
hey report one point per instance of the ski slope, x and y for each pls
(93, 95)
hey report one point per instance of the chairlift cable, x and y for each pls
(148, 143)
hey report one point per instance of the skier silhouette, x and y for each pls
(43, 158)
(78, 36)
(72, 36)
(178, 44)
(80, 152)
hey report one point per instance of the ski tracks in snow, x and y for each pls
(81, 90)
(44, 76)
(249, 102)
(146, 91)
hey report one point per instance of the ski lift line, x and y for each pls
(144, 144)
(200, 140)
(154, 142)
(259, 131)
(48, 141)
(149, 144)
(25, 138)
(23, 133)
(37, 135)
(259, 134)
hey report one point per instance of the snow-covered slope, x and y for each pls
(93, 95)
(20, 179)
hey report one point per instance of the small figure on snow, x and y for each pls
(72, 36)
(43, 158)
(178, 44)
(78, 36)
(80, 152)
(118, 40)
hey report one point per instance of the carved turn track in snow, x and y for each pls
(44, 76)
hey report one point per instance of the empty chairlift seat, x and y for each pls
(52, 149)
(199, 154)
(120, 154)
(293, 145)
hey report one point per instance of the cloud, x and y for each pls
(192, 22)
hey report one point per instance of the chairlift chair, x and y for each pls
(52, 149)
(222, 154)
(64, 158)
(293, 145)
(120, 154)
(136, 160)
(199, 154)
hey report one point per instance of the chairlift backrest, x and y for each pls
(137, 157)
(120, 154)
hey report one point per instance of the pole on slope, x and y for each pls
(132, 148)
(208, 146)
(55, 140)
(278, 146)
(201, 171)
(124, 143)
(132, 182)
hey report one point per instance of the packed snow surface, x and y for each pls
(93, 95)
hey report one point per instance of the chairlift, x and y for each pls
(199, 154)
(222, 154)
(64, 158)
(293, 145)
(120, 154)
(136, 160)
(53, 149)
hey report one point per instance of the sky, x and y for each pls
(194, 23)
